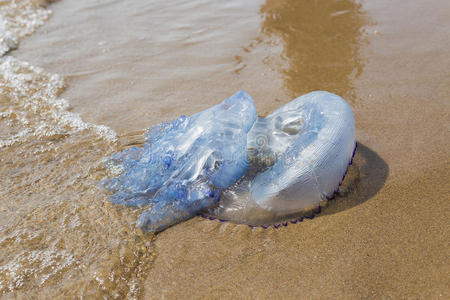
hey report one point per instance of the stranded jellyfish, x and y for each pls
(230, 164)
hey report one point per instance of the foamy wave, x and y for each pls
(30, 89)
(34, 106)
(20, 268)
(18, 19)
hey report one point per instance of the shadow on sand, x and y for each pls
(365, 178)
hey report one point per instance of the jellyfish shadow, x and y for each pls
(366, 176)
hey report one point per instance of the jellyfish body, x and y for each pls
(299, 155)
(262, 170)
(314, 162)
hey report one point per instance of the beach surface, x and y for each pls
(129, 65)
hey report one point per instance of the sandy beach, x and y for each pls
(388, 240)
(128, 66)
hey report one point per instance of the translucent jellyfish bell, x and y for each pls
(298, 157)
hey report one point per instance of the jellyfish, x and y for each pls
(298, 155)
(231, 165)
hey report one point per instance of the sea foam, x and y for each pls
(18, 19)
(35, 109)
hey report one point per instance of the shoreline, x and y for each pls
(386, 237)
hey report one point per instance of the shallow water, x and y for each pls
(124, 66)
(52, 213)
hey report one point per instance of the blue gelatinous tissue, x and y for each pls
(184, 164)
(260, 169)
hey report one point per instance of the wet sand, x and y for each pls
(387, 236)
(392, 244)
